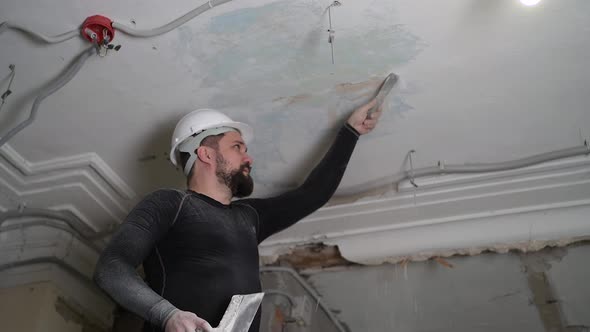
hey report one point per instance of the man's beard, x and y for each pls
(240, 184)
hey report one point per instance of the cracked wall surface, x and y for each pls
(546, 290)
(42, 307)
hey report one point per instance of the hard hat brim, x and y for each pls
(245, 130)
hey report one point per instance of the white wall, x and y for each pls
(34, 308)
(488, 292)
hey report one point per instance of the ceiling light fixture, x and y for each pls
(530, 2)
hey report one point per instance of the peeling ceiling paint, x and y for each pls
(480, 82)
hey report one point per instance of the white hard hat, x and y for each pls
(197, 122)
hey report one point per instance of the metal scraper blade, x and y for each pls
(384, 90)
(240, 313)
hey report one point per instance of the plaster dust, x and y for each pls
(313, 256)
(524, 247)
(294, 99)
(370, 85)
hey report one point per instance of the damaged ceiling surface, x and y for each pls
(481, 82)
(541, 291)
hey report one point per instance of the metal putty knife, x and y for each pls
(384, 90)
(240, 313)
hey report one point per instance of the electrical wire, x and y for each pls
(170, 26)
(49, 90)
(119, 26)
(73, 70)
(305, 285)
(39, 36)
(441, 169)
(281, 293)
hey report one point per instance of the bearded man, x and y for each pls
(199, 246)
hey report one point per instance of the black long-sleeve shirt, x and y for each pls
(198, 252)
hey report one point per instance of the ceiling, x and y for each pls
(480, 81)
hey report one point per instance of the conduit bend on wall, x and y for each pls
(70, 72)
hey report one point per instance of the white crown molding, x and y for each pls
(83, 185)
(81, 216)
(518, 209)
(83, 162)
(73, 197)
(526, 231)
(41, 182)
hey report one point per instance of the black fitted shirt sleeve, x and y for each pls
(280, 212)
(116, 268)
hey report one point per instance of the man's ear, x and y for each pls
(205, 154)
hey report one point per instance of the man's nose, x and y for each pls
(248, 159)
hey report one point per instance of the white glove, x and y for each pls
(184, 321)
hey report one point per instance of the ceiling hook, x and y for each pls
(412, 168)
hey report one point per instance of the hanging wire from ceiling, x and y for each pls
(331, 31)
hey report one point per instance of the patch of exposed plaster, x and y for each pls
(364, 88)
(270, 66)
(304, 125)
(317, 255)
(293, 99)
(280, 49)
(524, 247)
